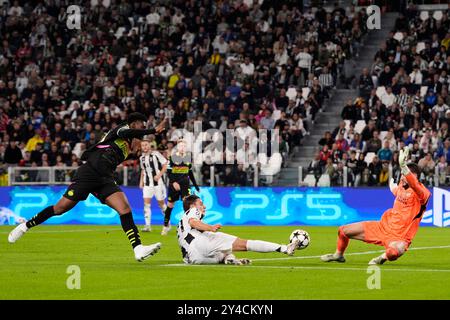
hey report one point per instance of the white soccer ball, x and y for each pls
(302, 236)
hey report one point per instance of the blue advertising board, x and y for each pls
(231, 206)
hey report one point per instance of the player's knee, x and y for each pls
(342, 231)
(392, 253)
(59, 209)
(123, 209)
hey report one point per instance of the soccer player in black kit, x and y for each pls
(96, 176)
(179, 172)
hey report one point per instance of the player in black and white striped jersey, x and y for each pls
(201, 243)
(153, 166)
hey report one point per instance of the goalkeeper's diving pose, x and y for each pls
(397, 226)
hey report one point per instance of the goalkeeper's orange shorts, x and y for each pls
(375, 234)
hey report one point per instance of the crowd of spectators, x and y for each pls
(230, 64)
(403, 101)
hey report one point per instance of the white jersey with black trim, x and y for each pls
(151, 164)
(185, 232)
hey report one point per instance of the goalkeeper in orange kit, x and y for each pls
(397, 226)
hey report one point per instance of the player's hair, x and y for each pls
(136, 116)
(189, 200)
(414, 168)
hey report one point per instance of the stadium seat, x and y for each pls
(369, 157)
(291, 93)
(381, 91)
(347, 124)
(324, 181)
(305, 92)
(310, 180)
(119, 32)
(382, 135)
(359, 126)
(423, 91)
(272, 166)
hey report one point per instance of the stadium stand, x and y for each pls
(401, 100)
(260, 64)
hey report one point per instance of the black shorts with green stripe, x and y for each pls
(87, 180)
(174, 195)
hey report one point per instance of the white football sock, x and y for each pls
(263, 246)
(147, 214)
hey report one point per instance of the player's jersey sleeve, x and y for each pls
(141, 161)
(193, 214)
(161, 158)
(422, 193)
(121, 129)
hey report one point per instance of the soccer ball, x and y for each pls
(302, 236)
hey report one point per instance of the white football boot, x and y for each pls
(291, 247)
(166, 230)
(142, 253)
(146, 229)
(231, 259)
(332, 257)
(17, 233)
(377, 260)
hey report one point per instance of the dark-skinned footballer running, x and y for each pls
(96, 176)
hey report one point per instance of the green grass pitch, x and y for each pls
(35, 267)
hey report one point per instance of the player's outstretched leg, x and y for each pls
(257, 246)
(61, 207)
(345, 233)
(167, 214)
(119, 202)
(394, 251)
(147, 216)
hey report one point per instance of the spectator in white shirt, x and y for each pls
(153, 17)
(248, 68)
(440, 108)
(15, 9)
(177, 18)
(221, 45)
(388, 98)
(304, 61)
(244, 131)
(165, 69)
(189, 37)
(416, 76)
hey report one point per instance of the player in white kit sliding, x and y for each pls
(200, 243)
(153, 166)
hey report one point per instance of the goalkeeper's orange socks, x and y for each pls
(342, 241)
(130, 229)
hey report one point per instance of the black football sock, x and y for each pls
(167, 215)
(130, 229)
(41, 217)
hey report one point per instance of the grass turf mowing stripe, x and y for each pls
(318, 256)
(65, 231)
(309, 268)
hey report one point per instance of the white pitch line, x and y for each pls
(65, 231)
(349, 254)
(314, 257)
(311, 268)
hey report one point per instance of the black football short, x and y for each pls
(87, 180)
(174, 195)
